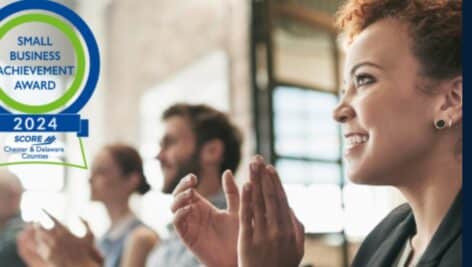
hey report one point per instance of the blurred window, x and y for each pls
(307, 149)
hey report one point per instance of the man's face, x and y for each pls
(178, 156)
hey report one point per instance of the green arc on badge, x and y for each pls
(80, 69)
(83, 166)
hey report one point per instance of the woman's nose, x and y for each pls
(343, 113)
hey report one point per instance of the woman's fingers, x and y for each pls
(231, 192)
(270, 195)
(278, 184)
(96, 256)
(246, 213)
(189, 181)
(257, 199)
(182, 199)
(283, 209)
(299, 233)
(44, 241)
(180, 217)
(89, 237)
(58, 227)
(188, 197)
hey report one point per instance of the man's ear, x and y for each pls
(212, 152)
(451, 101)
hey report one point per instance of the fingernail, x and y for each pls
(253, 166)
(260, 158)
(188, 179)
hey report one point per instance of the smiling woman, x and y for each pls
(401, 110)
(401, 115)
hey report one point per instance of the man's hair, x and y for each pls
(208, 124)
(435, 29)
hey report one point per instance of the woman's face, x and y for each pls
(107, 183)
(386, 120)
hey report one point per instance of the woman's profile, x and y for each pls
(401, 116)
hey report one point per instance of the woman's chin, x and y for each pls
(357, 179)
(363, 177)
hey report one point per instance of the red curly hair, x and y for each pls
(435, 29)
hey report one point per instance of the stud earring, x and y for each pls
(439, 124)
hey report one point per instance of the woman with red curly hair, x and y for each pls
(401, 114)
(403, 99)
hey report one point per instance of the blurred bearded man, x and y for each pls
(202, 141)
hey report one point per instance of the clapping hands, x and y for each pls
(258, 229)
(58, 247)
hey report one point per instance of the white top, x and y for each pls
(406, 255)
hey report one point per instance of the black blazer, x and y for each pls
(383, 245)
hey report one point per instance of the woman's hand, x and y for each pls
(63, 249)
(28, 249)
(270, 234)
(211, 234)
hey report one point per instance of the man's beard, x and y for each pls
(190, 165)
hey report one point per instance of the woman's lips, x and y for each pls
(354, 140)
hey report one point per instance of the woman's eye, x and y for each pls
(363, 79)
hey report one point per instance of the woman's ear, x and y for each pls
(451, 96)
(134, 179)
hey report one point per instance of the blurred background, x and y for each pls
(273, 65)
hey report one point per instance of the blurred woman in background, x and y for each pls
(116, 174)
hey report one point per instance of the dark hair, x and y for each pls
(207, 124)
(129, 161)
(435, 29)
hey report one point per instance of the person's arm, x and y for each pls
(137, 247)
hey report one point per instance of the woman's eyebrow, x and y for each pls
(364, 63)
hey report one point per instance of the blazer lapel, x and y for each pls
(390, 249)
(448, 231)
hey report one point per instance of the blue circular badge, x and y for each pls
(83, 29)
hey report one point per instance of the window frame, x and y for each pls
(264, 83)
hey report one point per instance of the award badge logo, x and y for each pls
(49, 68)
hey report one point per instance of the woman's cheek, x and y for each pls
(367, 109)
